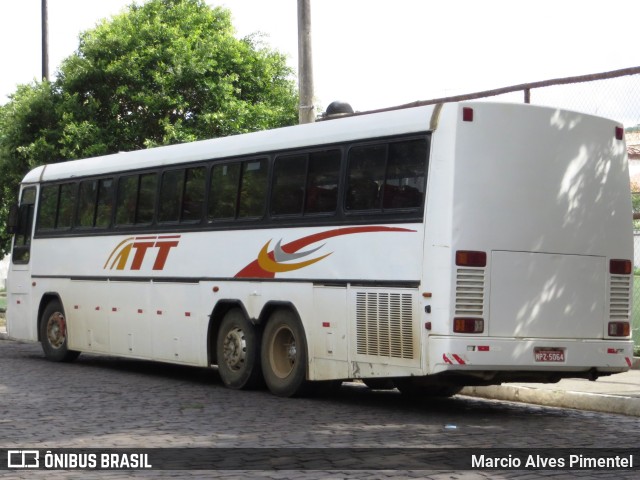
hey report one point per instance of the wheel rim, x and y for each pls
(234, 349)
(283, 352)
(56, 330)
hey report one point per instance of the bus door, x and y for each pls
(19, 321)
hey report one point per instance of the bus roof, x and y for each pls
(396, 122)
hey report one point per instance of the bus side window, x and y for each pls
(146, 206)
(171, 190)
(193, 200)
(104, 206)
(288, 185)
(126, 200)
(253, 188)
(66, 206)
(87, 203)
(223, 193)
(48, 207)
(365, 175)
(322, 182)
(406, 173)
(22, 241)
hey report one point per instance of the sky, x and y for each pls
(379, 53)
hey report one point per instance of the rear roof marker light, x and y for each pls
(467, 114)
(619, 133)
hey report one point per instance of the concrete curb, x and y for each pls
(558, 398)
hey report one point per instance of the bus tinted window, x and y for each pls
(405, 179)
(171, 196)
(387, 176)
(105, 203)
(287, 192)
(253, 188)
(87, 203)
(365, 176)
(193, 201)
(48, 207)
(136, 199)
(223, 193)
(66, 206)
(322, 182)
(95, 203)
(126, 203)
(147, 198)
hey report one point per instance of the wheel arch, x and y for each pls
(45, 300)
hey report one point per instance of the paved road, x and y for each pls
(105, 402)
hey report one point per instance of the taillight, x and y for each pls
(619, 133)
(468, 325)
(469, 258)
(619, 329)
(620, 267)
(467, 114)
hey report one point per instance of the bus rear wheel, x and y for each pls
(237, 352)
(284, 355)
(53, 334)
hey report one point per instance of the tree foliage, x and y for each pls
(164, 72)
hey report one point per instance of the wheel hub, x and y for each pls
(56, 330)
(235, 349)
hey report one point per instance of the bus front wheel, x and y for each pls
(53, 334)
(284, 354)
(237, 352)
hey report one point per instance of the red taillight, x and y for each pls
(620, 267)
(468, 325)
(619, 329)
(619, 133)
(467, 114)
(468, 258)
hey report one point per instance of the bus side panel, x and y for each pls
(178, 327)
(329, 334)
(130, 327)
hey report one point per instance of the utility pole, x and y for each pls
(305, 64)
(45, 41)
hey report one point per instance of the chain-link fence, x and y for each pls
(614, 95)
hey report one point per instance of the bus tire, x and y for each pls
(237, 352)
(53, 334)
(410, 388)
(284, 354)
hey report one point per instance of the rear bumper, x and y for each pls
(486, 354)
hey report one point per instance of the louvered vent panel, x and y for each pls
(470, 292)
(619, 297)
(384, 324)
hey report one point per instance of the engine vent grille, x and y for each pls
(619, 297)
(470, 292)
(384, 323)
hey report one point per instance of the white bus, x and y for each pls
(426, 248)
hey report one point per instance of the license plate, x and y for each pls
(548, 354)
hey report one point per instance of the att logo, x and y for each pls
(157, 247)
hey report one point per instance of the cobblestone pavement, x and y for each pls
(105, 402)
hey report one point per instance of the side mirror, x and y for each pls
(13, 220)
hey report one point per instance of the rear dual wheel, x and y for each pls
(284, 354)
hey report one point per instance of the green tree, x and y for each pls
(167, 71)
